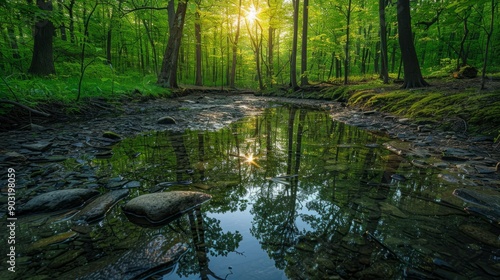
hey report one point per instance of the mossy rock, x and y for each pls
(158, 209)
(111, 135)
(57, 200)
(466, 72)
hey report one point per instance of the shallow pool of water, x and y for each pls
(295, 196)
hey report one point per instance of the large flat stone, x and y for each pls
(157, 209)
(96, 209)
(57, 200)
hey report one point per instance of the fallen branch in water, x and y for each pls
(25, 107)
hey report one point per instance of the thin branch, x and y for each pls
(25, 107)
(125, 12)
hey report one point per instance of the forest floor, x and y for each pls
(451, 104)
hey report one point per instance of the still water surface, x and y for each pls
(295, 196)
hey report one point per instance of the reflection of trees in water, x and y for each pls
(207, 238)
(338, 213)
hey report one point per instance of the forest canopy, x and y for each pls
(243, 43)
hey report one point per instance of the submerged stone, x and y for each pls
(57, 200)
(480, 234)
(144, 262)
(100, 206)
(157, 209)
(166, 120)
(38, 147)
(58, 238)
(111, 135)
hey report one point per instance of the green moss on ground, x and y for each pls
(448, 102)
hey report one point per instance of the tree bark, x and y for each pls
(384, 69)
(347, 58)
(168, 72)
(303, 66)
(232, 78)
(42, 62)
(197, 35)
(488, 40)
(293, 56)
(412, 74)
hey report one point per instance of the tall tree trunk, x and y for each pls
(270, 46)
(413, 76)
(488, 40)
(62, 28)
(152, 43)
(303, 66)
(42, 62)
(293, 56)
(197, 35)
(232, 79)
(168, 72)
(347, 58)
(462, 61)
(384, 69)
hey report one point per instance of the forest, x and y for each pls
(68, 48)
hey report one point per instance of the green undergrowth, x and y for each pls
(63, 90)
(451, 104)
(479, 111)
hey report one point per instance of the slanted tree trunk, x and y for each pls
(413, 76)
(42, 62)
(168, 72)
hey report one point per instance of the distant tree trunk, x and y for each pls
(413, 76)
(232, 79)
(347, 58)
(152, 43)
(168, 72)
(293, 56)
(270, 55)
(71, 21)
(270, 47)
(42, 63)
(305, 23)
(384, 69)
(197, 35)
(462, 61)
(488, 40)
(62, 27)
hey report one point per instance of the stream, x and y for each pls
(295, 194)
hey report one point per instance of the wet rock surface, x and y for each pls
(57, 200)
(157, 209)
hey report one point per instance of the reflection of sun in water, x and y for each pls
(250, 159)
(252, 14)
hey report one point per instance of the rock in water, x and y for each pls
(57, 200)
(100, 206)
(111, 135)
(142, 262)
(157, 209)
(58, 238)
(166, 120)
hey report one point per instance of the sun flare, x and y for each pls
(252, 14)
(250, 159)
